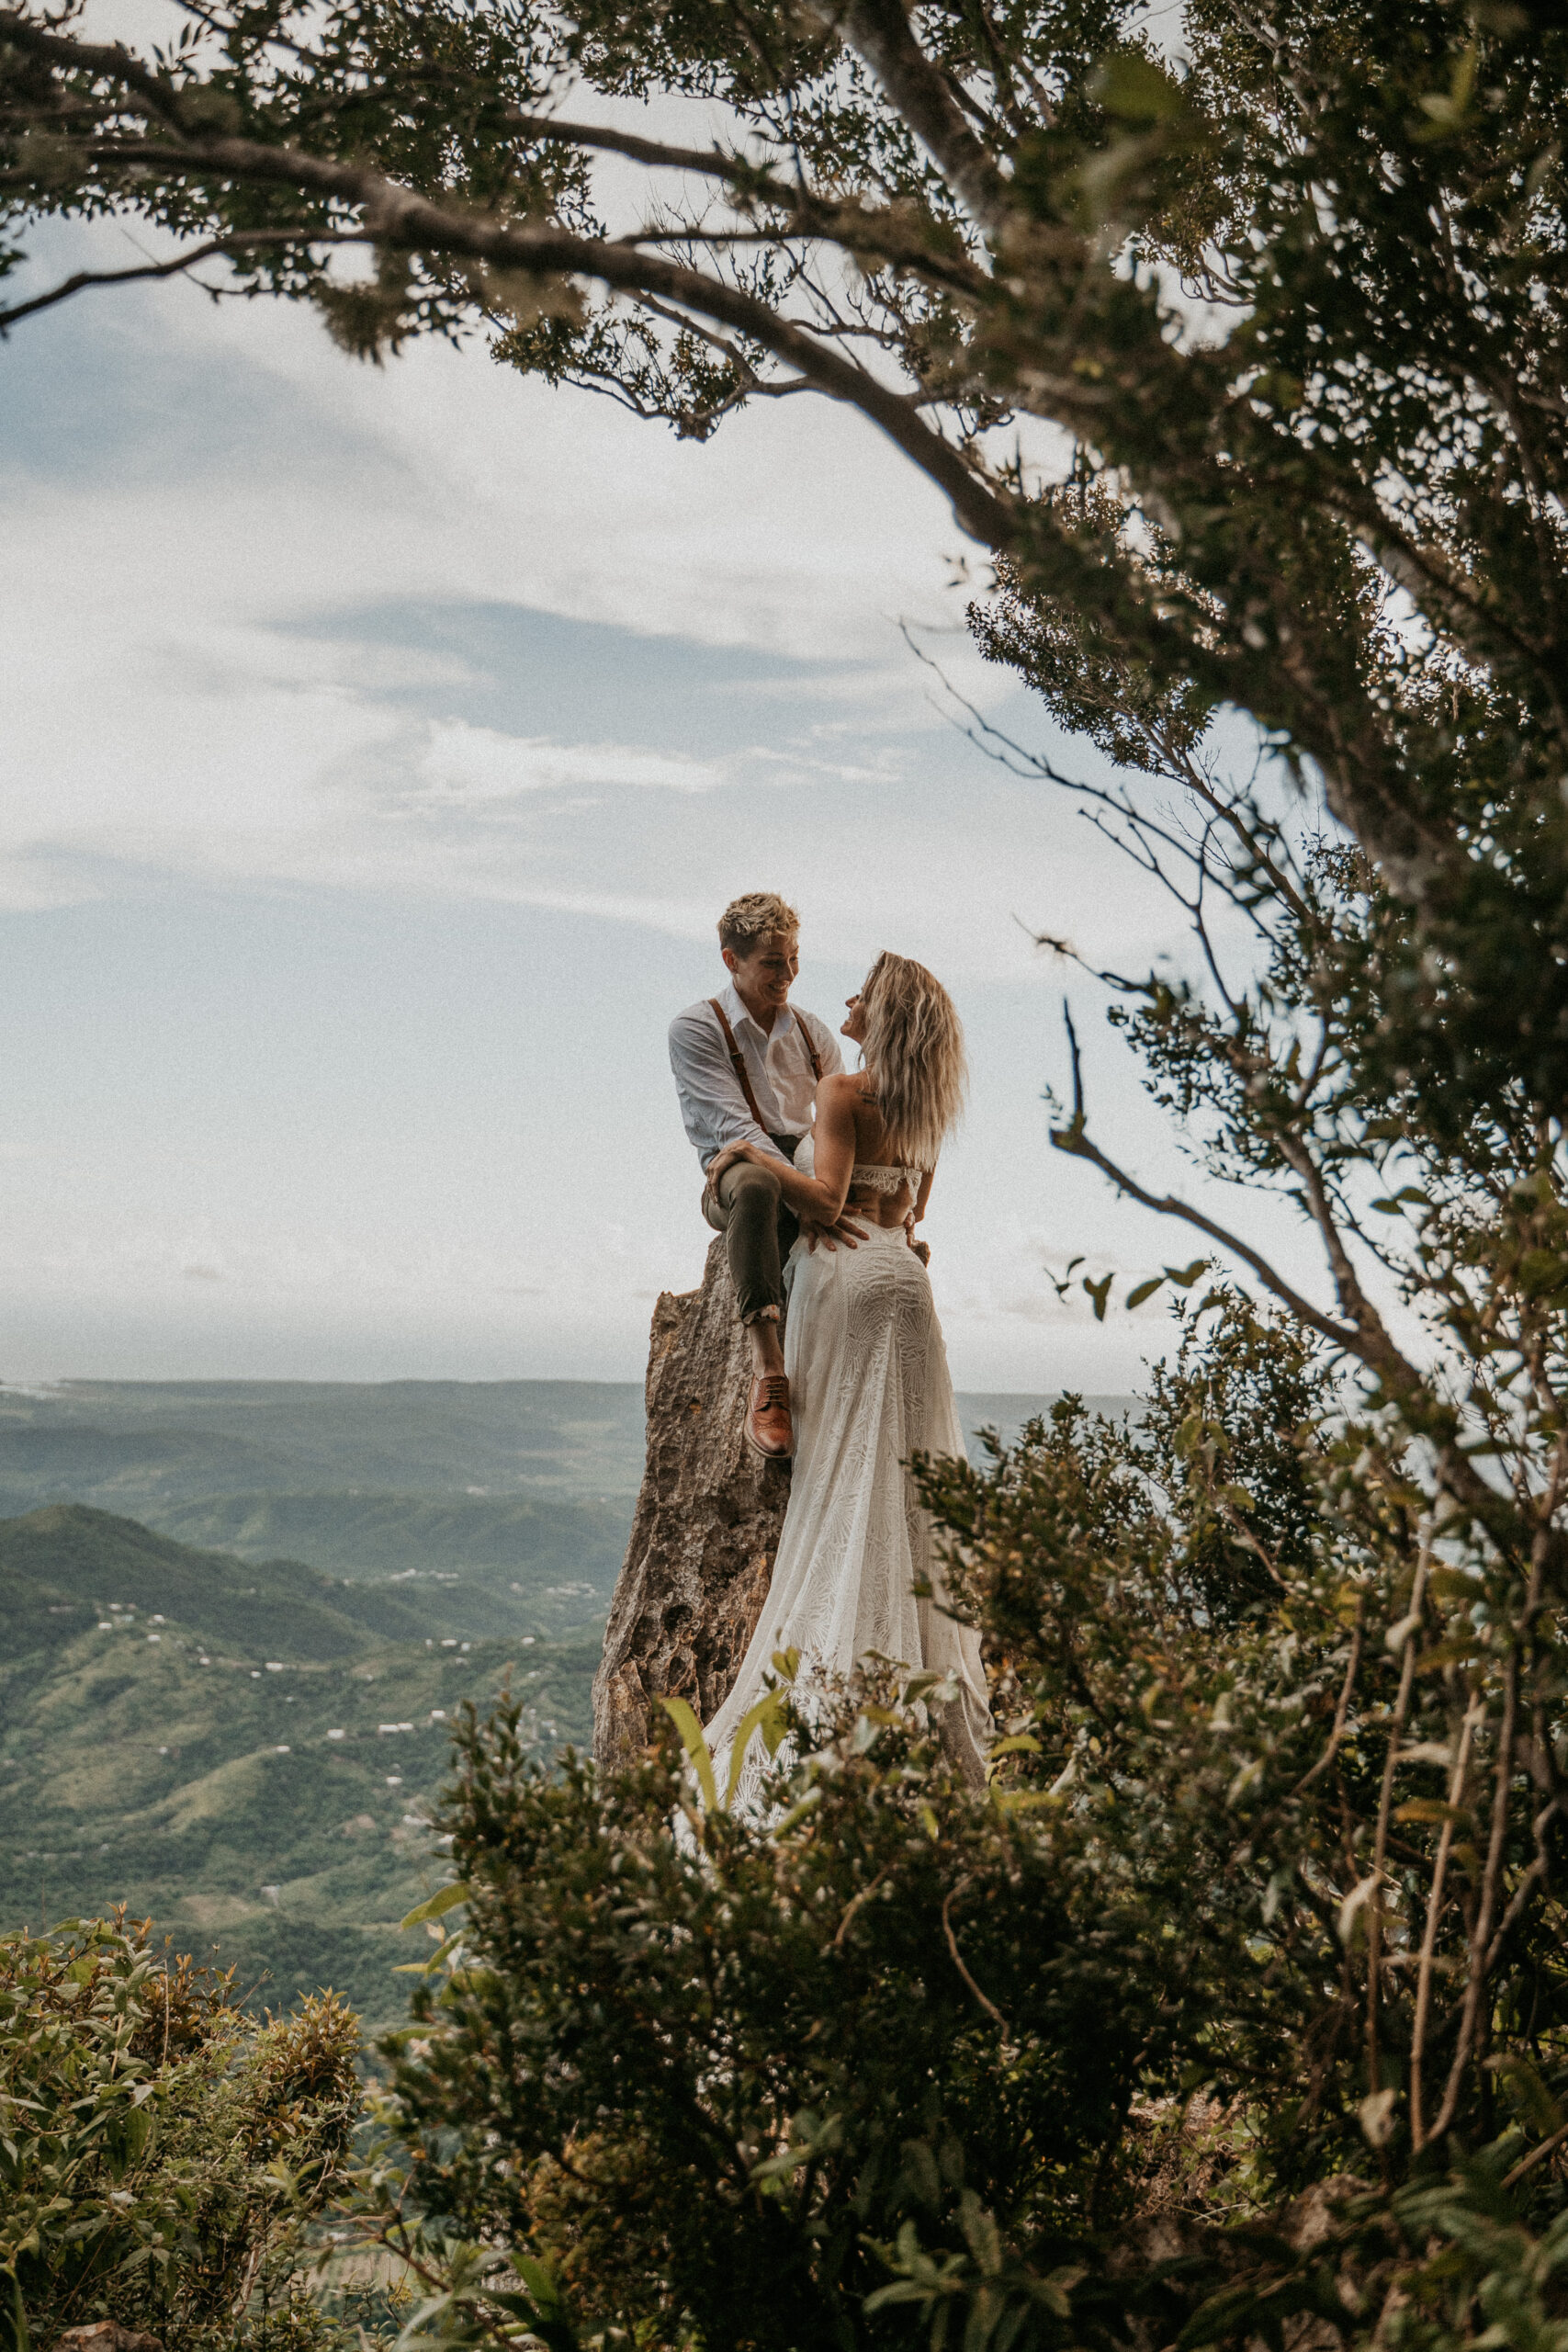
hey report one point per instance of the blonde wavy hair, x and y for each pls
(914, 1057)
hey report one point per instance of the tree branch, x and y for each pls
(1073, 1140)
(84, 277)
(879, 32)
(399, 219)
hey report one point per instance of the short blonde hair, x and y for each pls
(755, 917)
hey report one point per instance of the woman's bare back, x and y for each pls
(875, 1205)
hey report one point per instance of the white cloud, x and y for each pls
(464, 765)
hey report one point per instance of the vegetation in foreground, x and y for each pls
(1237, 2009)
(162, 2154)
(1210, 2022)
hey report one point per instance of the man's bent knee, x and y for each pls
(747, 1181)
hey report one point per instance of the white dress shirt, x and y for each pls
(713, 1107)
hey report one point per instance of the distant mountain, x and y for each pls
(128, 1444)
(248, 1752)
(150, 1448)
(64, 1568)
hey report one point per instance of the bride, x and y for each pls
(868, 1378)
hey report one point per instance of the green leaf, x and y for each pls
(541, 2310)
(446, 1899)
(1099, 1292)
(1222, 2315)
(757, 1717)
(696, 1747)
(1131, 87)
(1185, 1276)
(1145, 1290)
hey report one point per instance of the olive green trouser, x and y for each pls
(759, 1230)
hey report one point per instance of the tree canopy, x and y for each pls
(1289, 296)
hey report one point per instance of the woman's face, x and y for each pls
(853, 1025)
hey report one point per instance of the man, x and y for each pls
(748, 1064)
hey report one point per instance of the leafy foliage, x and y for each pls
(160, 2151)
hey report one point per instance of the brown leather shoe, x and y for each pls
(769, 1431)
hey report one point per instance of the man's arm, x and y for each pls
(712, 1105)
(818, 1199)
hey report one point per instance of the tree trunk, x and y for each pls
(701, 1555)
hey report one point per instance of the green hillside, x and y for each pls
(149, 1448)
(368, 1534)
(63, 1569)
(167, 1722)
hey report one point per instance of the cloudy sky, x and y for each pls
(379, 748)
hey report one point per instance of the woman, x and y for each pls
(868, 1377)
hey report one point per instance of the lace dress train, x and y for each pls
(869, 1386)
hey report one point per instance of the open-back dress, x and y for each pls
(869, 1386)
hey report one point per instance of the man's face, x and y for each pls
(766, 973)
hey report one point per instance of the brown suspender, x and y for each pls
(738, 1059)
(805, 1041)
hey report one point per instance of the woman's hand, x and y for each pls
(723, 1162)
(922, 1250)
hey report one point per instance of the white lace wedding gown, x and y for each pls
(869, 1386)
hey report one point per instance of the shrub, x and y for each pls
(904, 2066)
(161, 2150)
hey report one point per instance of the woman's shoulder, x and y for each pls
(841, 1090)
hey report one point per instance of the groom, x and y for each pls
(748, 1065)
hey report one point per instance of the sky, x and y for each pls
(379, 748)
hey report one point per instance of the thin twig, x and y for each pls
(1503, 1773)
(1074, 1141)
(989, 2006)
(84, 277)
(854, 1904)
(1527, 2163)
(1473, 1715)
(1385, 1803)
(1342, 1710)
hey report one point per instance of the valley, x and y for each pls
(238, 1620)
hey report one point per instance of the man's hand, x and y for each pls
(922, 1250)
(830, 1236)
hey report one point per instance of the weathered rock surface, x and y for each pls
(707, 1522)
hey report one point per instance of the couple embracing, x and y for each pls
(817, 1179)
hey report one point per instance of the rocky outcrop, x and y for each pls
(706, 1529)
